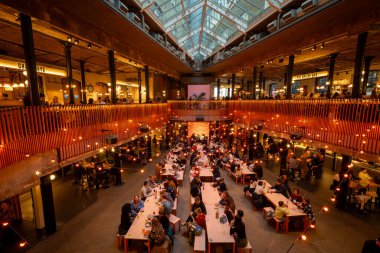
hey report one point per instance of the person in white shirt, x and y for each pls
(259, 190)
(146, 191)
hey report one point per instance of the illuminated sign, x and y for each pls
(310, 75)
(40, 69)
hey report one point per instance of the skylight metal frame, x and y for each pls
(218, 22)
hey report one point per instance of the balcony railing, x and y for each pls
(349, 124)
(73, 130)
(194, 110)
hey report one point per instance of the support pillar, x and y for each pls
(165, 91)
(315, 85)
(218, 89)
(367, 64)
(289, 77)
(359, 58)
(233, 86)
(139, 83)
(263, 85)
(111, 63)
(69, 71)
(330, 77)
(48, 204)
(147, 95)
(83, 83)
(260, 83)
(285, 79)
(254, 83)
(180, 88)
(228, 89)
(242, 84)
(334, 162)
(30, 59)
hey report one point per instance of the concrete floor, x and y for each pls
(94, 228)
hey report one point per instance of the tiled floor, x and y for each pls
(94, 229)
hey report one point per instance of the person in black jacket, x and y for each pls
(215, 172)
(238, 230)
(222, 185)
(125, 221)
(279, 187)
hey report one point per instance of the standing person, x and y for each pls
(316, 166)
(238, 230)
(342, 190)
(294, 167)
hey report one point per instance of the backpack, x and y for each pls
(269, 215)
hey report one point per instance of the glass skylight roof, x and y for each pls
(204, 26)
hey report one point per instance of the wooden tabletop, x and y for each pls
(274, 198)
(246, 171)
(216, 231)
(136, 231)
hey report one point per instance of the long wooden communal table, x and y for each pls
(205, 173)
(294, 211)
(136, 231)
(245, 172)
(216, 231)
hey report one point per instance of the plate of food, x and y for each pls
(148, 225)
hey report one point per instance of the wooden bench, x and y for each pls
(247, 248)
(174, 220)
(266, 210)
(278, 223)
(174, 209)
(236, 177)
(200, 242)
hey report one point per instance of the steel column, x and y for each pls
(254, 83)
(30, 59)
(330, 77)
(359, 58)
(83, 83)
(289, 77)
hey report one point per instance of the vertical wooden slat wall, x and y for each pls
(34, 130)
